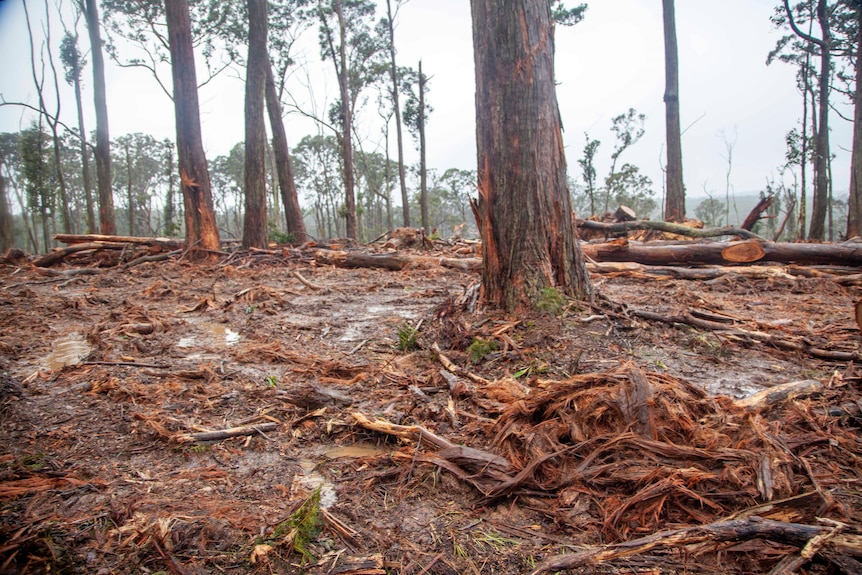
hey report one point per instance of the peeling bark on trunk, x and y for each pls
(523, 210)
(201, 229)
(254, 224)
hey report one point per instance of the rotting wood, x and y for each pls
(778, 393)
(226, 433)
(710, 253)
(668, 227)
(735, 530)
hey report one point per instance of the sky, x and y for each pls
(610, 62)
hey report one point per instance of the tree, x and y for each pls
(588, 169)
(394, 75)
(38, 171)
(254, 228)
(354, 71)
(821, 187)
(283, 163)
(523, 209)
(138, 169)
(854, 207)
(628, 128)
(201, 230)
(74, 63)
(318, 174)
(107, 225)
(710, 211)
(674, 210)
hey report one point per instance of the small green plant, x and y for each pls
(277, 236)
(479, 348)
(300, 528)
(271, 380)
(533, 368)
(407, 335)
(551, 301)
(200, 448)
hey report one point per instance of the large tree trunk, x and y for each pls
(854, 212)
(107, 224)
(821, 191)
(393, 71)
(675, 199)
(346, 125)
(201, 229)
(423, 171)
(523, 210)
(254, 226)
(283, 165)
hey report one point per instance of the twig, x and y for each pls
(307, 283)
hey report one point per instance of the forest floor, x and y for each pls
(394, 429)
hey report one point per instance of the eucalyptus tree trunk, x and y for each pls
(423, 171)
(107, 223)
(674, 210)
(283, 164)
(7, 228)
(85, 156)
(821, 192)
(523, 211)
(201, 228)
(346, 125)
(854, 211)
(254, 225)
(393, 71)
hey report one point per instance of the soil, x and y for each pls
(105, 377)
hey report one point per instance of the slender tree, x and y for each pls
(674, 210)
(396, 107)
(854, 209)
(74, 64)
(254, 227)
(423, 171)
(523, 209)
(283, 163)
(107, 224)
(201, 230)
(7, 227)
(821, 187)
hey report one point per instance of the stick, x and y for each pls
(226, 433)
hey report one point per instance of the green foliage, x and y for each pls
(277, 236)
(37, 167)
(588, 169)
(407, 335)
(271, 380)
(551, 301)
(710, 211)
(301, 527)
(567, 16)
(479, 348)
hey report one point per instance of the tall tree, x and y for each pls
(588, 169)
(523, 209)
(74, 64)
(423, 170)
(254, 227)
(854, 209)
(396, 107)
(283, 163)
(201, 229)
(821, 187)
(107, 224)
(674, 208)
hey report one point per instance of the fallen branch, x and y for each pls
(55, 256)
(668, 227)
(226, 433)
(736, 530)
(779, 342)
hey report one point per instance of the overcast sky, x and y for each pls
(611, 61)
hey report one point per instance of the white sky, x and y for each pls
(611, 61)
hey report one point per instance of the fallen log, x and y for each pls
(796, 534)
(226, 433)
(395, 262)
(55, 256)
(71, 239)
(668, 227)
(716, 253)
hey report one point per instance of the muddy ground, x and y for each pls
(592, 425)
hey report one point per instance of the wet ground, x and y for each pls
(104, 378)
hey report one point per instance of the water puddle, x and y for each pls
(67, 350)
(214, 334)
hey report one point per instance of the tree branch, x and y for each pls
(797, 31)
